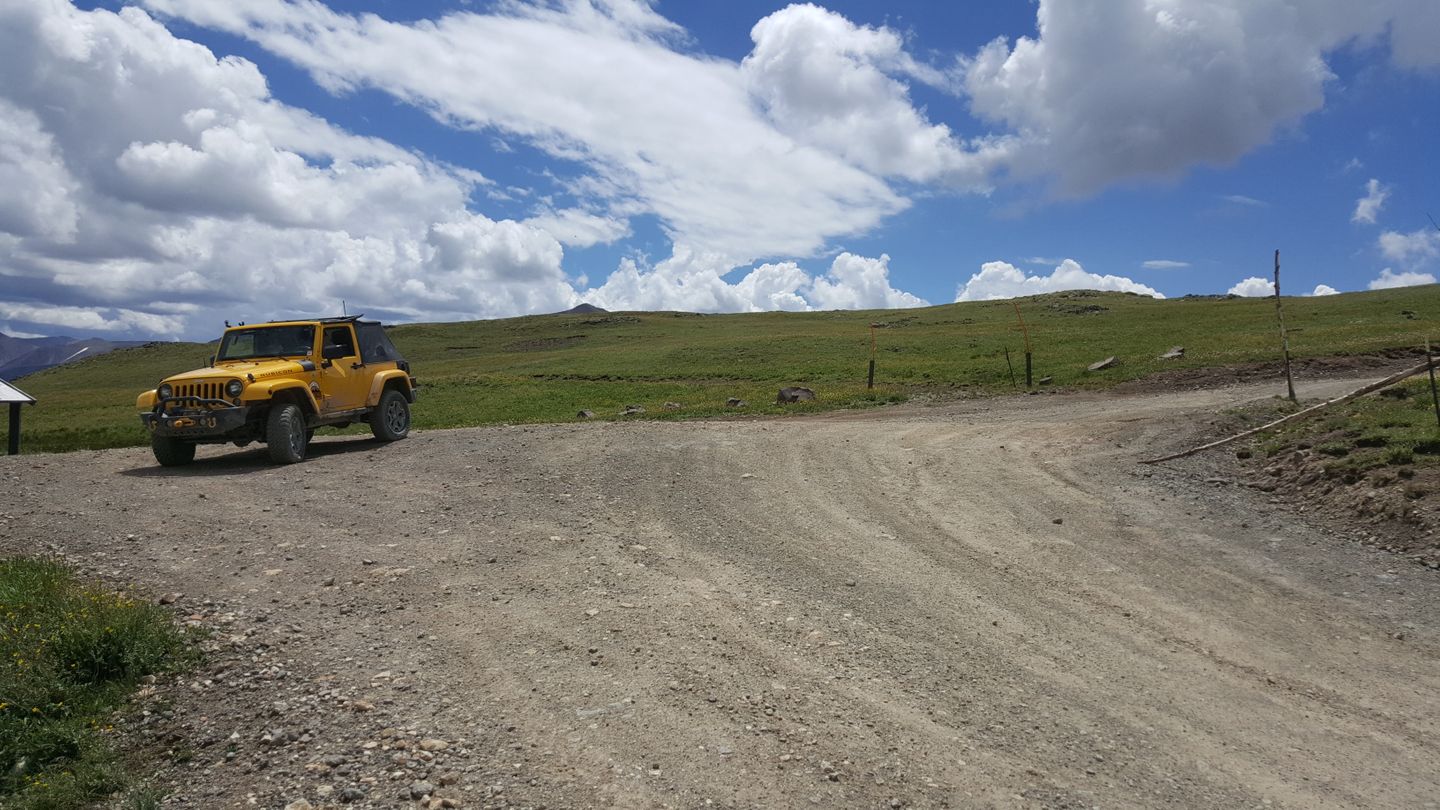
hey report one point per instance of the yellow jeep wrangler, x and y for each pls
(275, 383)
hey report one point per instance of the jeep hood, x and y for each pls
(260, 369)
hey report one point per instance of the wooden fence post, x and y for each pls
(1284, 341)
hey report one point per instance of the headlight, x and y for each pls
(165, 390)
(234, 388)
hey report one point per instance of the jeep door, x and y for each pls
(344, 382)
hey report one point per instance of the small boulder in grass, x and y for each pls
(1109, 362)
(794, 394)
(1175, 353)
(734, 402)
(585, 415)
(631, 410)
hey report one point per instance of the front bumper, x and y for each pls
(194, 417)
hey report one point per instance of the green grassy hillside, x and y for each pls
(546, 368)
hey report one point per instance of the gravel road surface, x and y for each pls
(974, 605)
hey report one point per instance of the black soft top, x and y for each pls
(375, 345)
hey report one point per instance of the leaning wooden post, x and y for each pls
(1026, 332)
(1010, 366)
(1284, 341)
(1434, 395)
(1359, 392)
(870, 380)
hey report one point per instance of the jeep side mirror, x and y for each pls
(211, 361)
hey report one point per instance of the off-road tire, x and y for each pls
(390, 421)
(172, 452)
(285, 434)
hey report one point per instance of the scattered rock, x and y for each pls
(585, 415)
(1109, 362)
(351, 794)
(300, 804)
(673, 406)
(1175, 353)
(421, 789)
(850, 583)
(433, 745)
(170, 598)
(1045, 380)
(732, 402)
(794, 394)
(631, 410)
(1058, 521)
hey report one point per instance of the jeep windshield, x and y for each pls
(267, 341)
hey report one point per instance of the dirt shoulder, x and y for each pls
(982, 604)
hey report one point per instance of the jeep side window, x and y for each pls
(338, 342)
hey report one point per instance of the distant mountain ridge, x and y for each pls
(21, 356)
(582, 309)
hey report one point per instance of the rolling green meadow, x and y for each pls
(546, 368)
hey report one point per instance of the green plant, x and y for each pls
(70, 653)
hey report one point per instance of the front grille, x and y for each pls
(207, 389)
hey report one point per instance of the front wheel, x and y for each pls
(285, 434)
(171, 452)
(390, 420)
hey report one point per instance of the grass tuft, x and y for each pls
(71, 652)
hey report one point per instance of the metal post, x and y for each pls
(14, 429)
(1010, 366)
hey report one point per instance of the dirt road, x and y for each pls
(986, 604)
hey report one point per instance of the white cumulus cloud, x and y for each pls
(1004, 280)
(600, 85)
(855, 282)
(693, 281)
(827, 82)
(1412, 248)
(573, 227)
(1113, 90)
(1367, 208)
(1324, 289)
(155, 171)
(1388, 278)
(1253, 287)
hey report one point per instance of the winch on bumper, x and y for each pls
(197, 418)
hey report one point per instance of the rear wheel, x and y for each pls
(390, 420)
(171, 452)
(285, 434)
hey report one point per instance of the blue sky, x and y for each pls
(168, 164)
